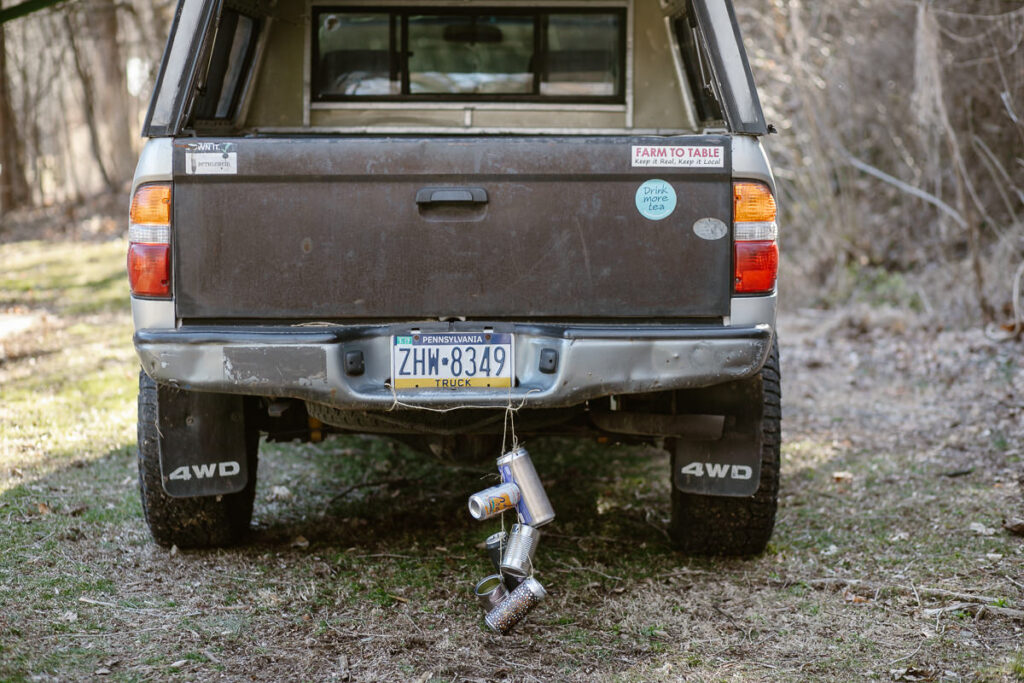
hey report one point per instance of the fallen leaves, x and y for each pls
(842, 477)
(1015, 525)
(104, 669)
(913, 674)
(280, 494)
(979, 528)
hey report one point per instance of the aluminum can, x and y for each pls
(493, 501)
(534, 508)
(522, 545)
(496, 544)
(490, 592)
(496, 548)
(503, 618)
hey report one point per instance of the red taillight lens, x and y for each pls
(149, 241)
(149, 269)
(757, 267)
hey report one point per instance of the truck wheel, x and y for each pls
(719, 525)
(202, 522)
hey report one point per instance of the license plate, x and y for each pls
(450, 360)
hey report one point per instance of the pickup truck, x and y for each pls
(409, 218)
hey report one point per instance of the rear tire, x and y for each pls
(719, 525)
(203, 522)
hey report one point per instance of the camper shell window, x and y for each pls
(469, 54)
(233, 49)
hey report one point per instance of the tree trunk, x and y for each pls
(88, 103)
(13, 186)
(96, 56)
(107, 66)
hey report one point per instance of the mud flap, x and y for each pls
(730, 466)
(202, 443)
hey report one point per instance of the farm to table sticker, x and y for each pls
(678, 156)
(655, 200)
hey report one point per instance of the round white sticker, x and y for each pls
(710, 229)
(655, 200)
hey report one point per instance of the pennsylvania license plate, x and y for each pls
(451, 360)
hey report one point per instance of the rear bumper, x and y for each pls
(309, 362)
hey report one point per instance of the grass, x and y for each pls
(68, 385)
(382, 589)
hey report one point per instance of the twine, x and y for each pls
(509, 425)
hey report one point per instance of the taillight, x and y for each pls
(149, 241)
(756, 234)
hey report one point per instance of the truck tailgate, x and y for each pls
(360, 228)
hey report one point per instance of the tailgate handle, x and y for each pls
(452, 195)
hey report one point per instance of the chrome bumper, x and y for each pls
(310, 362)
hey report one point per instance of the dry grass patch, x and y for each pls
(897, 442)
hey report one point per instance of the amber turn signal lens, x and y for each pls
(151, 205)
(753, 202)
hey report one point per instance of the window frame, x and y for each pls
(407, 98)
(178, 67)
(218, 62)
(704, 91)
(734, 86)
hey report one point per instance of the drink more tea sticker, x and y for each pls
(678, 156)
(655, 200)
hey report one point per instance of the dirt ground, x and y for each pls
(902, 457)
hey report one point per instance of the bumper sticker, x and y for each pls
(211, 158)
(655, 200)
(672, 156)
(211, 163)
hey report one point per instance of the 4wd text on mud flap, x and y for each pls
(717, 470)
(228, 468)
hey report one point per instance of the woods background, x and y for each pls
(900, 153)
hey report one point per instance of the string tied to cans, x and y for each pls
(511, 592)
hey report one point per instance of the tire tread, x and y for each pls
(202, 522)
(718, 525)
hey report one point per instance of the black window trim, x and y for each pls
(720, 70)
(181, 89)
(245, 72)
(402, 12)
(704, 88)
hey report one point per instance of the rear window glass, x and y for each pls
(233, 50)
(698, 71)
(454, 54)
